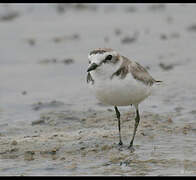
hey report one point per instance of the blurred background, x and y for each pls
(44, 49)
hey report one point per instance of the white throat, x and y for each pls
(105, 71)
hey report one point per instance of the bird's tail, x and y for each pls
(158, 81)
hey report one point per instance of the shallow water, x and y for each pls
(51, 124)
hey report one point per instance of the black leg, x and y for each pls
(137, 120)
(118, 117)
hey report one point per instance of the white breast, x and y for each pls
(119, 92)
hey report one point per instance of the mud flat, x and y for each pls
(50, 122)
(77, 143)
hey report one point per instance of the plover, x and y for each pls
(118, 81)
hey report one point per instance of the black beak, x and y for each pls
(92, 67)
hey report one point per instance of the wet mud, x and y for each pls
(50, 122)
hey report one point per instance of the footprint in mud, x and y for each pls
(131, 9)
(166, 67)
(59, 39)
(157, 7)
(51, 104)
(9, 16)
(191, 28)
(55, 118)
(117, 31)
(31, 41)
(173, 35)
(65, 61)
(130, 38)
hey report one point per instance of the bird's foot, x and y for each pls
(131, 148)
(120, 143)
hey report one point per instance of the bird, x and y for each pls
(118, 81)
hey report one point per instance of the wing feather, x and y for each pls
(138, 72)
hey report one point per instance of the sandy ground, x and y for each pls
(50, 122)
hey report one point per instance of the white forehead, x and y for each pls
(98, 57)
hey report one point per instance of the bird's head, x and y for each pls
(103, 61)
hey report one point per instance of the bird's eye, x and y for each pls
(89, 62)
(109, 57)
